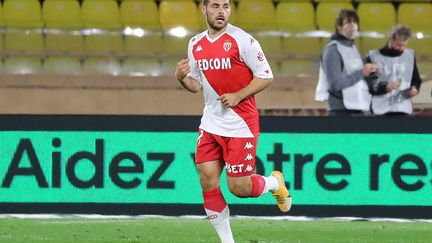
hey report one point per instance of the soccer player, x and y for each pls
(230, 67)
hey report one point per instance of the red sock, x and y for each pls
(258, 185)
(214, 200)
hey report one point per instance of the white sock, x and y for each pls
(271, 184)
(220, 222)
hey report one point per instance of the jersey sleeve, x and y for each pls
(194, 70)
(252, 54)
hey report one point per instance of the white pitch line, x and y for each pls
(116, 218)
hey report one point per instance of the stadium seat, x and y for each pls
(327, 12)
(287, 20)
(20, 15)
(338, 1)
(233, 16)
(275, 66)
(138, 13)
(375, 17)
(141, 67)
(22, 65)
(179, 22)
(418, 17)
(271, 42)
(62, 14)
(379, 17)
(263, 0)
(100, 14)
(424, 67)
(178, 13)
(202, 22)
(27, 41)
(168, 65)
(258, 17)
(62, 65)
(299, 67)
(101, 65)
(62, 21)
(141, 20)
(288, 15)
(2, 25)
(104, 17)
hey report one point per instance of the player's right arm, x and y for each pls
(186, 81)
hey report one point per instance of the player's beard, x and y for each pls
(213, 26)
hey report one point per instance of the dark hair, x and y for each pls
(347, 14)
(400, 32)
(205, 2)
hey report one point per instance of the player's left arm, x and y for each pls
(253, 56)
(255, 86)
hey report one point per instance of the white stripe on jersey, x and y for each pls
(219, 120)
(225, 65)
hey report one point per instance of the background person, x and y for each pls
(397, 79)
(229, 66)
(342, 73)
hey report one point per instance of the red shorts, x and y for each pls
(237, 153)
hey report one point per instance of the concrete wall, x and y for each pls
(100, 94)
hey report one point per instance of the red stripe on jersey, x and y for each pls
(222, 66)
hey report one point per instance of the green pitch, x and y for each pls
(78, 230)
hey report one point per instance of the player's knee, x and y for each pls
(239, 189)
(208, 183)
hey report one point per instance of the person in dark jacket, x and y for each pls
(397, 79)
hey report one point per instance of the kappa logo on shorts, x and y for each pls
(249, 168)
(213, 216)
(249, 157)
(248, 145)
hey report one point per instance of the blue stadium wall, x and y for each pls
(362, 166)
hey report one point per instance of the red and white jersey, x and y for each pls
(227, 64)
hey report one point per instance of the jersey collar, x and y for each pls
(217, 37)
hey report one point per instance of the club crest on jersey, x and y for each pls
(227, 45)
(260, 56)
